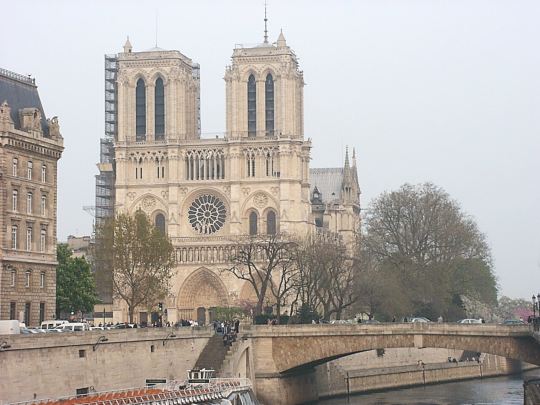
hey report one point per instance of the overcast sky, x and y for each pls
(440, 91)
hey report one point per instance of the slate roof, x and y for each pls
(328, 181)
(20, 92)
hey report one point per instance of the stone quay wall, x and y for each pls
(334, 379)
(55, 365)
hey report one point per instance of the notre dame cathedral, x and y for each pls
(255, 179)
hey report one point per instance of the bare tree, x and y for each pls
(286, 280)
(140, 257)
(256, 259)
(419, 236)
(326, 273)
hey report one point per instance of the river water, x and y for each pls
(489, 391)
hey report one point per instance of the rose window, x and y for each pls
(207, 214)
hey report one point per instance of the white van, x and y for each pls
(10, 327)
(73, 327)
(52, 324)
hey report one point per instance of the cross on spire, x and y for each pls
(265, 25)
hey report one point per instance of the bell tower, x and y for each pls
(264, 88)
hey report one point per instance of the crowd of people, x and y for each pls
(229, 330)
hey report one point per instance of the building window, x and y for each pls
(42, 280)
(29, 203)
(41, 312)
(250, 159)
(43, 173)
(43, 205)
(27, 281)
(269, 104)
(13, 278)
(271, 223)
(27, 308)
(43, 240)
(82, 353)
(14, 236)
(140, 111)
(29, 238)
(252, 105)
(160, 223)
(253, 223)
(15, 167)
(159, 109)
(15, 201)
(13, 310)
(29, 170)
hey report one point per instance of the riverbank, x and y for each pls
(335, 379)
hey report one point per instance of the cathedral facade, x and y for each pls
(204, 192)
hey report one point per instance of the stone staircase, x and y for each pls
(213, 355)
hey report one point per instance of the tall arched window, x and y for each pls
(271, 223)
(252, 106)
(253, 223)
(140, 111)
(269, 104)
(160, 109)
(160, 223)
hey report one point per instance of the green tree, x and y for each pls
(140, 257)
(427, 253)
(75, 285)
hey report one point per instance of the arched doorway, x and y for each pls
(201, 315)
(201, 291)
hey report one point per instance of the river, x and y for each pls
(489, 391)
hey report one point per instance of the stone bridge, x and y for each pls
(283, 357)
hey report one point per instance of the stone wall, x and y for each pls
(51, 366)
(364, 372)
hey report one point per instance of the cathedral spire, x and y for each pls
(347, 158)
(353, 157)
(127, 46)
(265, 25)
(281, 43)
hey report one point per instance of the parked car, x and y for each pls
(371, 321)
(420, 319)
(470, 320)
(513, 322)
(74, 327)
(52, 324)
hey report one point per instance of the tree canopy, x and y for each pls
(422, 253)
(75, 286)
(140, 257)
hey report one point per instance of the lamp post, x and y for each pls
(103, 316)
(534, 306)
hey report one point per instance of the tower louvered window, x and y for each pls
(252, 106)
(160, 110)
(269, 104)
(140, 111)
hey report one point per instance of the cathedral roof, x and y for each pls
(328, 181)
(20, 92)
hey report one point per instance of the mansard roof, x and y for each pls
(328, 181)
(20, 92)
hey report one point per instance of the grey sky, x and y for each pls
(441, 91)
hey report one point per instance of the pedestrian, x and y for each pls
(440, 319)
(393, 319)
(236, 326)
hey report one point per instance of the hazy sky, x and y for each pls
(440, 91)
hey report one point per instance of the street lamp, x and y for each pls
(169, 336)
(100, 340)
(534, 305)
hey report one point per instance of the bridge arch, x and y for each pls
(296, 348)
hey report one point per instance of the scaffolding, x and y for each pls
(105, 179)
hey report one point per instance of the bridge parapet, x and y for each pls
(260, 331)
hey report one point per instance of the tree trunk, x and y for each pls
(130, 313)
